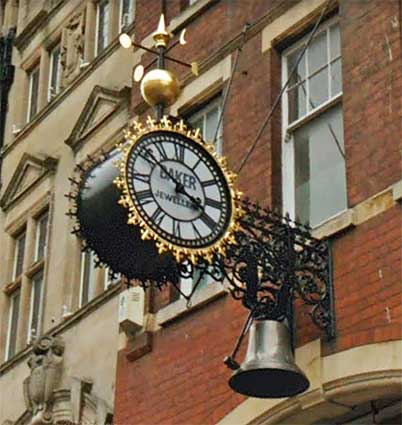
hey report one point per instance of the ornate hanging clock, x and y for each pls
(177, 190)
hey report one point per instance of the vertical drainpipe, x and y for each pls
(6, 80)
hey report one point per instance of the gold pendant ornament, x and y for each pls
(177, 189)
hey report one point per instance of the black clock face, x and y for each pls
(178, 189)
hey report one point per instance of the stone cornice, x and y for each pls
(44, 166)
(40, 19)
(24, 37)
(86, 124)
(66, 324)
(55, 103)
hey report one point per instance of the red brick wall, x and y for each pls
(183, 379)
(371, 57)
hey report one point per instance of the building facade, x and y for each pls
(69, 98)
(330, 156)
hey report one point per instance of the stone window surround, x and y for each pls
(33, 92)
(95, 279)
(54, 91)
(107, 35)
(42, 55)
(11, 307)
(59, 328)
(42, 216)
(26, 222)
(30, 335)
(131, 16)
(176, 25)
(288, 129)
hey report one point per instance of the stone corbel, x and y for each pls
(45, 363)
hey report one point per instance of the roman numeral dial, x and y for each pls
(178, 190)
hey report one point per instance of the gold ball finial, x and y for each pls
(160, 87)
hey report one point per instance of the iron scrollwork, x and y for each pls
(274, 261)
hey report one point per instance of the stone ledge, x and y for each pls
(56, 101)
(337, 224)
(179, 308)
(397, 191)
(63, 325)
(373, 206)
(338, 383)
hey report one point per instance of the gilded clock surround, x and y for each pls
(132, 136)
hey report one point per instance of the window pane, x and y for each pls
(55, 77)
(126, 12)
(205, 279)
(111, 280)
(335, 44)
(198, 124)
(211, 122)
(36, 306)
(199, 279)
(19, 255)
(297, 102)
(317, 53)
(13, 323)
(33, 94)
(88, 283)
(300, 73)
(318, 88)
(206, 120)
(320, 175)
(336, 77)
(103, 26)
(41, 237)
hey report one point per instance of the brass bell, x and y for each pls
(269, 370)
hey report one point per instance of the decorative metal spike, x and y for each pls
(74, 181)
(76, 230)
(79, 167)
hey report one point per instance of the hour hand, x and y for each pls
(195, 201)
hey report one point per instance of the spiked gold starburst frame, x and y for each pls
(133, 134)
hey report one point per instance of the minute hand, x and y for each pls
(179, 186)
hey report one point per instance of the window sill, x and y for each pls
(64, 324)
(397, 192)
(15, 359)
(36, 266)
(12, 286)
(334, 225)
(200, 298)
(190, 13)
(51, 106)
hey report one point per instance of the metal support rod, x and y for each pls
(331, 332)
(225, 99)
(284, 87)
(161, 65)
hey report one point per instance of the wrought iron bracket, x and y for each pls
(275, 261)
